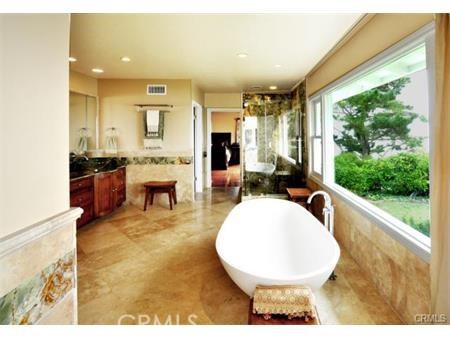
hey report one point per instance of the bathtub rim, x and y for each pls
(335, 260)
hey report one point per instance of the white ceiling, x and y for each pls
(205, 47)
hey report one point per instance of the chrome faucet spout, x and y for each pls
(325, 195)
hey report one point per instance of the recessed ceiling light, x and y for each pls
(273, 87)
(277, 66)
(97, 70)
(72, 59)
(125, 59)
(242, 55)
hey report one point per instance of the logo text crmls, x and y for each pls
(427, 318)
(145, 319)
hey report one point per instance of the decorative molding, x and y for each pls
(38, 230)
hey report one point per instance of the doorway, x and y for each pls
(225, 151)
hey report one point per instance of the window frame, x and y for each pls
(417, 242)
(313, 136)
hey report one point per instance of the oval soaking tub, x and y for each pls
(275, 242)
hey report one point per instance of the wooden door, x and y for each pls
(103, 194)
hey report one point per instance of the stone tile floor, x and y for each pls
(164, 263)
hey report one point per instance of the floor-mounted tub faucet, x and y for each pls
(328, 215)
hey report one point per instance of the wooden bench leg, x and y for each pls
(169, 192)
(146, 198)
(174, 194)
(151, 197)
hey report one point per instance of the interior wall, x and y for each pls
(197, 94)
(378, 34)
(223, 100)
(224, 122)
(399, 275)
(83, 84)
(34, 118)
(117, 98)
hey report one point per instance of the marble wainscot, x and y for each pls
(141, 169)
(400, 276)
(38, 283)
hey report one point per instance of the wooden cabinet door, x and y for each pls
(103, 184)
(119, 177)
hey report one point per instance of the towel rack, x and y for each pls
(152, 106)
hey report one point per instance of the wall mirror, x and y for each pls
(83, 117)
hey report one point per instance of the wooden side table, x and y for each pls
(299, 195)
(160, 187)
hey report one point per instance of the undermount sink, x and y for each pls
(260, 167)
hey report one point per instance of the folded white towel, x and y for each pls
(152, 119)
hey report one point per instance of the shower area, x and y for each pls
(272, 155)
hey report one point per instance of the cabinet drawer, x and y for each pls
(82, 197)
(81, 183)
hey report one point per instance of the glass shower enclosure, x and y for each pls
(265, 169)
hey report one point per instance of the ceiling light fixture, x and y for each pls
(277, 66)
(273, 87)
(125, 59)
(242, 55)
(72, 59)
(97, 70)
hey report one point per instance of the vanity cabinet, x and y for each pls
(82, 196)
(103, 187)
(110, 191)
(98, 195)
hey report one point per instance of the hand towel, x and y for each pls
(152, 120)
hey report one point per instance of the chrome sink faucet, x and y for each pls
(328, 216)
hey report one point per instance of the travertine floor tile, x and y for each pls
(163, 263)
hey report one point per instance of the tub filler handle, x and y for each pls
(328, 213)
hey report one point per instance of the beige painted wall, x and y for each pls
(83, 84)
(34, 120)
(381, 32)
(117, 98)
(197, 94)
(224, 122)
(223, 100)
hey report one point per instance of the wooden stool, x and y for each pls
(256, 319)
(160, 187)
(299, 195)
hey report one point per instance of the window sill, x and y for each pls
(415, 241)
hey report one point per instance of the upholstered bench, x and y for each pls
(160, 187)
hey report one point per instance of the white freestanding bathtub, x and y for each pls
(275, 242)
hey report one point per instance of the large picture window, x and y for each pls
(375, 134)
